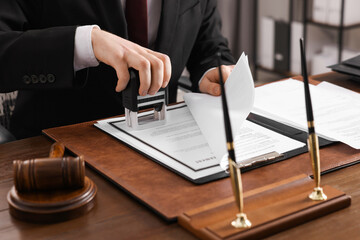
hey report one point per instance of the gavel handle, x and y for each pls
(57, 150)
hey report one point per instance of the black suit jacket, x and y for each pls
(37, 48)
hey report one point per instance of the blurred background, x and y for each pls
(269, 31)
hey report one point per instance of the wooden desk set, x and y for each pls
(275, 197)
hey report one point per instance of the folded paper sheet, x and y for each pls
(207, 110)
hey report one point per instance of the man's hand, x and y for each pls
(211, 82)
(154, 67)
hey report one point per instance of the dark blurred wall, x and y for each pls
(238, 25)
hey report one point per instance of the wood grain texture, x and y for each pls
(117, 215)
(270, 210)
(344, 224)
(42, 174)
(52, 205)
(149, 181)
(338, 79)
(35, 147)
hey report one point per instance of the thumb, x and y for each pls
(123, 75)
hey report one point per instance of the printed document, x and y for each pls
(192, 141)
(180, 144)
(336, 110)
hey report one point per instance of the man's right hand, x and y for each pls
(154, 67)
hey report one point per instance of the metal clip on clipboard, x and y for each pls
(133, 103)
(258, 160)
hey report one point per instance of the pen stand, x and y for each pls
(241, 220)
(318, 193)
(271, 209)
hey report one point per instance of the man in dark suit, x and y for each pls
(38, 55)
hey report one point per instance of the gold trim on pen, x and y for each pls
(230, 145)
(311, 124)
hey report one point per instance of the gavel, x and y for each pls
(54, 172)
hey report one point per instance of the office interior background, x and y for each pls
(268, 31)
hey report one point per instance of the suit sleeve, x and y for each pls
(209, 41)
(31, 57)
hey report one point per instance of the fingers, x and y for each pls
(154, 67)
(143, 65)
(226, 71)
(160, 67)
(123, 77)
(210, 82)
(167, 67)
(212, 88)
(157, 73)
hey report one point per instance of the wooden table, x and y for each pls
(118, 216)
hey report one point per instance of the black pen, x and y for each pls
(309, 110)
(313, 142)
(241, 220)
(228, 131)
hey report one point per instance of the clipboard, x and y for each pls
(218, 173)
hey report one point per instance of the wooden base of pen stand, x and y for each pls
(271, 209)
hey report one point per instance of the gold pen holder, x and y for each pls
(317, 194)
(313, 143)
(241, 220)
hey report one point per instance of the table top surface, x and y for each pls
(118, 215)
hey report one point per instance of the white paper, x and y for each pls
(173, 154)
(336, 114)
(208, 113)
(255, 140)
(180, 138)
(180, 145)
(338, 90)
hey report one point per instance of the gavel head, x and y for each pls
(49, 173)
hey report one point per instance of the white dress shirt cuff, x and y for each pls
(84, 56)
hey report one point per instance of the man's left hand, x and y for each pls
(211, 82)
